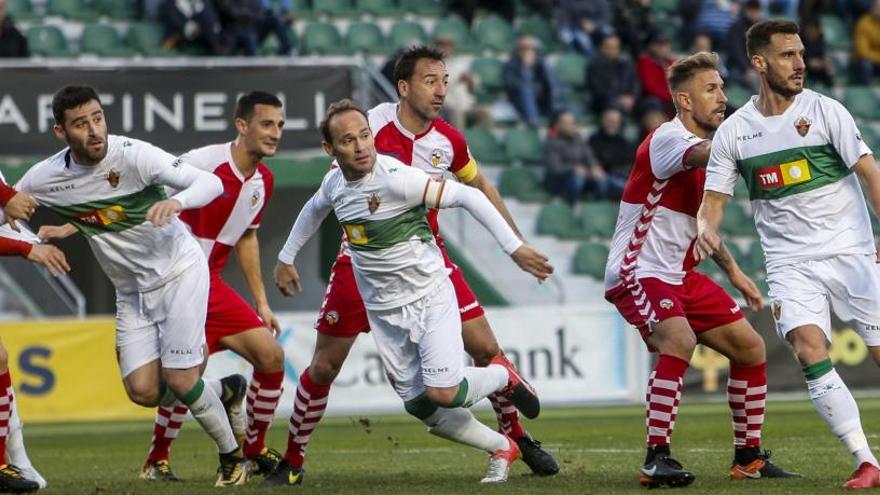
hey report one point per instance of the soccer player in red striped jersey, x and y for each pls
(650, 279)
(412, 132)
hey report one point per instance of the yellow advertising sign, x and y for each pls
(65, 370)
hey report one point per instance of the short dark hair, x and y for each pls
(758, 36)
(244, 109)
(70, 97)
(405, 66)
(336, 108)
(683, 69)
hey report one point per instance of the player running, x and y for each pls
(650, 279)
(400, 271)
(412, 132)
(230, 222)
(797, 151)
(110, 189)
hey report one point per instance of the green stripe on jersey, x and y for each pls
(370, 235)
(114, 214)
(792, 171)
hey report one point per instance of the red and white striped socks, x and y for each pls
(746, 394)
(6, 398)
(663, 397)
(308, 409)
(262, 400)
(508, 418)
(165, 430)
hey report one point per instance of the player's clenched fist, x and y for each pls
(51, 257)
(163, 211)
(287, 278)
(20, 207)
(533, 262)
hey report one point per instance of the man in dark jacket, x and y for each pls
(613, 151)
(530, 83)
(571, 164)
(611, 78)
(738, 62)
(12, 43)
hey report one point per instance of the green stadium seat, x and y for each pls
(378, 7)
(737, 221)
(454, 28)
(590, 259)
(271, 45)
(489, 71)
(664, 6)
(753, 259)
(322, 38)
(78, 10)
(406, 33)
(146, 38)
(22, 10)
(540, 28)
(116, 9)
(48, 41)
(484, 146)
(524, 145)
(862, 101)
(599, 218)
(423, 7)
(837, 34)
(335, 8)
(571, 71)
(365, 37)
(494, 33)
(557, 219)
(737, 96)
(104, 41)
(521, 184)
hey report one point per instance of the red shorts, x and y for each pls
(343, 313)
(699, 299)
(228, 314)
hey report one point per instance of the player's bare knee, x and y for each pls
(482, 357)
(323, 371)
(180, 381)
(142, 394)
(270, 359)
(441, 396)
(679, 343)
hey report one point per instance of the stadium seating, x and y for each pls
(365, 37)
(146, 39)
(520, 183)
(454, 28)
(737, 96)
(837, 34)
(403, 33)
(339, 8)
(116, 9)
(378, 7)
(79, 10)
(557, 219)
(862, 102)
(495, 34)
(48, 41)
(599, 218)
(737, 221)
(484, 146)
(571, 70)
(322, 38)
(423, 7)
(21, 10)
(590, 259)
(104, 41)
(541, 29)
(489, 70)
(524, 145)
(753, 258)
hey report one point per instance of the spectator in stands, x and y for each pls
(614, 151)
(715, 18)
(818, 66)
(651, 119)
(239, 20)
(633, 21)
(702, 42)
(530, 83)
(571, 164)
(461, 108)
(192, 22)
(467, 8)
(737, 60)
(651, 69)
(582, 23)
(866, 45)
(611, 79)
(12, 43)
(276, 18)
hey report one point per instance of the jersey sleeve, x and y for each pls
(463, 164)
(151, 161)
(668, 150)
(721, 172)
(268, 188)
(844, 133)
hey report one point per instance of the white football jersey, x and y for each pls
(798, 167)
(108, 203)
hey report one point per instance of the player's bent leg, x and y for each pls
(144, 385)
(259, 347)
(11, 477)
(834, 402)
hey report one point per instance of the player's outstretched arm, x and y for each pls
(869, 175)
(708, 222)
(483, 184)
(55, 232)
(307, 223)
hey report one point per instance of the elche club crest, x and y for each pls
(255, 199)
(113, 178)
(802, 124)
(373, 202)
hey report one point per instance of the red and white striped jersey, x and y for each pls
(220, 224)
(441, 150)
(657, 225)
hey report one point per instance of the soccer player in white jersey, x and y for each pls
(650, 278)
(110, 188)
(802, 157)
(402, 277)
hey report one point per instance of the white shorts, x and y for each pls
(167, 323)
(420, 343)
(800, 294)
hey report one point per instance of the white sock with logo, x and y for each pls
(483, 382)
(834, 402)
(460, 425)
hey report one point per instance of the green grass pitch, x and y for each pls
(599, 449)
